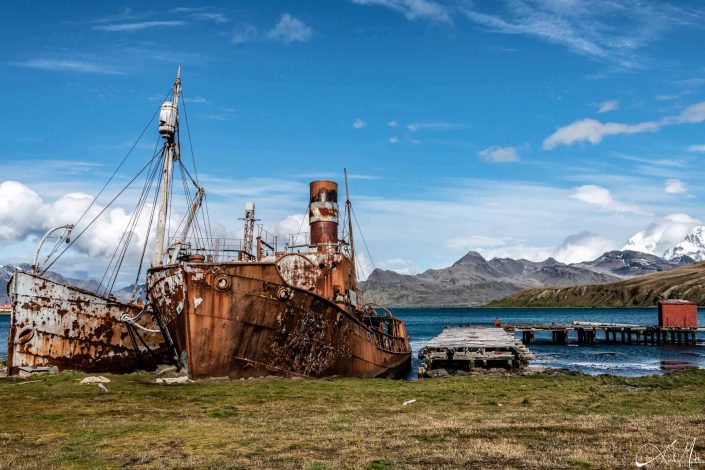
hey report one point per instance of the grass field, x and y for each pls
(539, 421)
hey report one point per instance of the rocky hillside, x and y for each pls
(684, 282)
(472, 281)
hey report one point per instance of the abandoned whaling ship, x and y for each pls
(215, 306)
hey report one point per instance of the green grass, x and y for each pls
(538, 421)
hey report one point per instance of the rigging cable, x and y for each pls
(126, 236)
(122, 162)
(129, 183)
(362, 235)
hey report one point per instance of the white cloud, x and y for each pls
(244, 32)
(692, 114)
(393, 140)
(211, 16)
(23, 212)
(594, 131)
(435, 126)
(607, 106)
(499, 154)
(698, 148)
(138, 25)
(290, 29)
(19, 209)
(358, 123)
(399, 265)
(605, 30)
(414, 9)
(197, 100)
(474, 242)
(294, 224)
(662, 235)
(393, 124)
(675, 186)
(69, 65)
(583, 246)
(601, 197)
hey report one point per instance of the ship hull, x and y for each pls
(57, 325)
(243, 320)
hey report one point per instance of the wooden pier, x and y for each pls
(461, 350)
(611, 333)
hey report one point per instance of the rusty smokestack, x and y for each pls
(323, 214)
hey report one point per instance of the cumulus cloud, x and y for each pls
(675, 186)
(662, 234)
(23, 213)
(294, 224)
(698, 148)
(583, 246)
(19, 210)
(393, 140)
(607, 106)
(290, 29)
(499, 154)
(393, 124)
(601, 197)
(358, 123)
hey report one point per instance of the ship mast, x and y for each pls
(348, 208)
(168, 127)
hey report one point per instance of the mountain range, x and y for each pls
(473, 280)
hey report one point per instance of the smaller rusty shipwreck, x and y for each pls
(216, 307)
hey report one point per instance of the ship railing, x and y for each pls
(267, 242)
(215, 250)
(298, 243)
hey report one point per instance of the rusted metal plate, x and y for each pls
(54, 324)
(244, 319)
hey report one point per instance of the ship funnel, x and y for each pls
(323, 215)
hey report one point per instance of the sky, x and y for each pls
(517, 128)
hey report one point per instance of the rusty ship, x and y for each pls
(294, 312)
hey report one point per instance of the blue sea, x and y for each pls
(616, 359)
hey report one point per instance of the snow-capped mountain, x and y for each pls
(693, 246)
(662, 235)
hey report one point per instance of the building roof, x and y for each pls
(676, 302)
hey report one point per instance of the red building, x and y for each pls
(674, 313)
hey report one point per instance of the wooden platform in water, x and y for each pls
(464, 349)
(587, 333)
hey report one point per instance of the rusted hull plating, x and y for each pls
(244, 320)
(54, 324)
